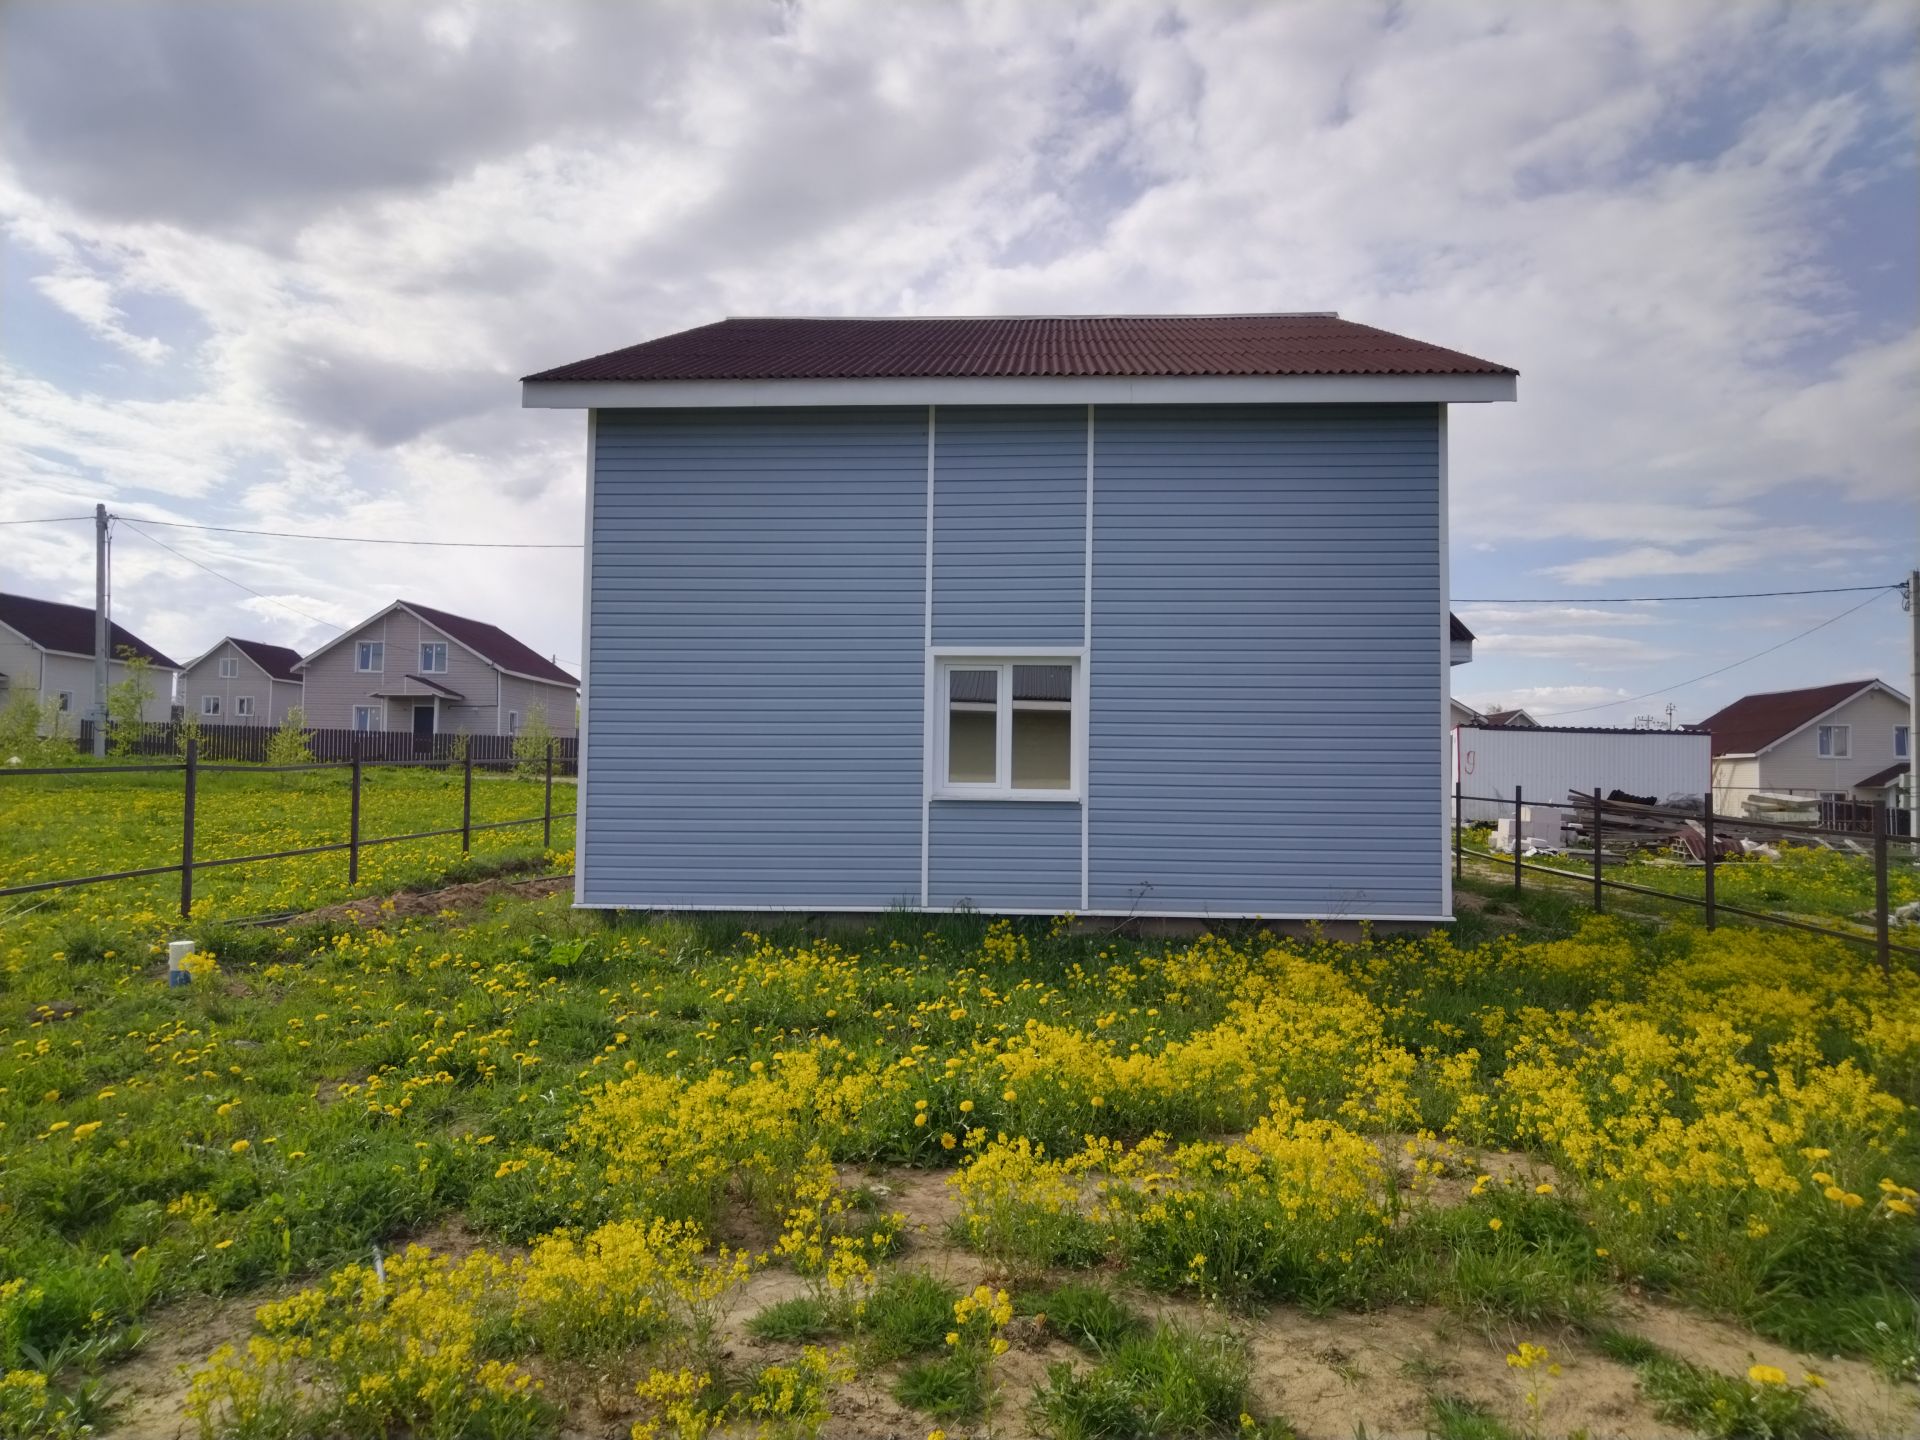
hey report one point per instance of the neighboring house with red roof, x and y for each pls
(1848, 741)
(414, 667)
(46, 650)
(241, 682)
(1127, 615)
(1516, 719)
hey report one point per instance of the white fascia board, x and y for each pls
(1017, 390)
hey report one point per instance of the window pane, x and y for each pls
(973, 726)
(1043, 727)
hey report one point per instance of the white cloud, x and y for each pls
(1575, 189)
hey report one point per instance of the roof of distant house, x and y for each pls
(489, 642)
(277, 660)
(1882, 777)
(1508, 717)
(1754, 722)
(1022, 346)
(68, 629)
(1456, 630)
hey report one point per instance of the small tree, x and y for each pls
(530, 744)
(290, 744)
(127, 703)
(187, 729)
(30, 731)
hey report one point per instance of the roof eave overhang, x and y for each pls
(1020, 390)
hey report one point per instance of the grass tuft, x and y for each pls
(1091, 1316)
(792, 1321)
(1169, 1382)
(908, 1313)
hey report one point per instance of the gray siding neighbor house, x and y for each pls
(46, 650)
(1116, 615)
(241, 682)
(412, 667)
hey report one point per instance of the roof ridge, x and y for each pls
(1060, 315)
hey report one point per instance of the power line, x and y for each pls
(1879, 590)
(1646, 599)
(290, 609)
(46, 520)
(372, 539)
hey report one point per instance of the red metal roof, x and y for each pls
(1754, 722)
(277, 660)
(1024, 346)
(490, 642)
(69, 629)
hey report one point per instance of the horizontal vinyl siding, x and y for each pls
(1266, 667)
(1010, 525)
(1004, 855)
(755, 634)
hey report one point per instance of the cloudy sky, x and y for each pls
(279, 266)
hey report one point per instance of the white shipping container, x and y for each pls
(1547, 762)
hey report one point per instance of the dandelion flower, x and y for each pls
(1493, 1224)
(1766, 1375)
(240, 1147)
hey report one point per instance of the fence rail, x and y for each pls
(248, 743)
(1594, 809)
(190, 769)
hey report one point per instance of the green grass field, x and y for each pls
(525, 1171)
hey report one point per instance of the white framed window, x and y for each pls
(243, 705)
(513, 722)
(229, 666)
(1008, 727)
(370, 656)
(209, 704)
(66, 700)
(433, 658)
(366, 717)
(1902, 742)
(1835, 742)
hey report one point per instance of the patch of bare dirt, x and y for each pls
(375, 912)
(1856, 1394)
(153, 1380)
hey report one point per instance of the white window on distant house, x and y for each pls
(1836, 742)
(370, 656)
(1902, 742)
(243, 705)
(1008, 729)
(364, 717)
(433, 659)
(209, 704)
(66, 699)
(513, 722)
(229, 666)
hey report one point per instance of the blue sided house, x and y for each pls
(1119, 615)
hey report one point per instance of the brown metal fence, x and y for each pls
(1594, 811)
(192, 767)
(249, 743)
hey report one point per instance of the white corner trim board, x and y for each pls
(1017, 390)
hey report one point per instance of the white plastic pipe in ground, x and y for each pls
(177, 952)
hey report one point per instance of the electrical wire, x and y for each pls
(1681, 685)
(46, 520)
(1648, 599)
(374, 539)
(290, 609)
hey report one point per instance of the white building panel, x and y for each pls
(1546, 763)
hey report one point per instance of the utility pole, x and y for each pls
(1913, 713)
(100, 631)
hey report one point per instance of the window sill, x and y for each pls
(1050, 797)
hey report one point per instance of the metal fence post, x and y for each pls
(353, 821)
(1712, 852)
(1881, 919)
(1517, 825)
(546, 812)
(186, 830)
(1598, 898)
(466, 802)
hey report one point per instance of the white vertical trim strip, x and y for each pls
(1086, 684)
(927, 693)
(580, 826)
(1446, 684)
